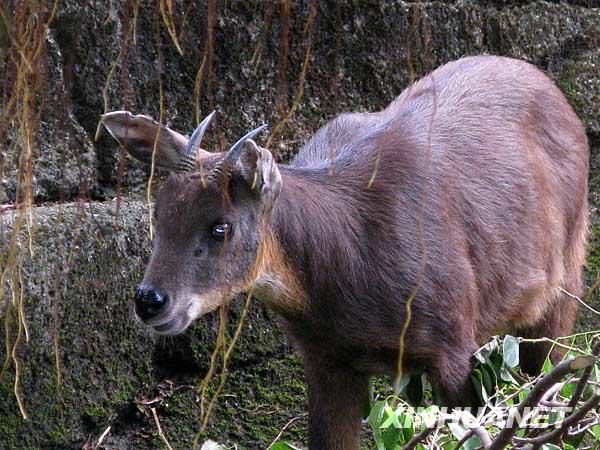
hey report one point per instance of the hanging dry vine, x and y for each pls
(308, 32)
(206, 67)
(25, 72)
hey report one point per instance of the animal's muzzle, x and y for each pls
(149, 303)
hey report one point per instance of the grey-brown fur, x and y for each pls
(481, 173)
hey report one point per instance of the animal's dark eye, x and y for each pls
(221, 230)
(198, 252)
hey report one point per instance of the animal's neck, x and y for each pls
(313, 237)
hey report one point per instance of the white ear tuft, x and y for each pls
(260, 171)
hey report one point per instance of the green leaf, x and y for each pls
(376, 416)
(391, 438)
(573, 442)
(447, 441)
(493, 373)
(392, 418)
(523, 394)
(553, 416)
(496, 360)
(457, 430)
(472, 443)
(547, 367)
(407, 427)
(550, 447)
(375, 419)
(430, 415)
(484, 353)
(478, 383)
(596, 432)
(378, 436)
(488, 381)
(507, 376)
(568, 390)
(510, 351)
(283, 446)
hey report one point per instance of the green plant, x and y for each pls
(559, 407)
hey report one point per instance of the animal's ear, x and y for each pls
(259, 171)
(138, 134)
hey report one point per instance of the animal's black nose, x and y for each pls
(149, 303)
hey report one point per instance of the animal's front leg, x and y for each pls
(338, 397)
(451, 373)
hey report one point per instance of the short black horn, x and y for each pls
(236, 149)
(197, 135)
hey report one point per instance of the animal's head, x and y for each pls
(209, 219)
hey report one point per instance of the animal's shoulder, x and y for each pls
(339, 138)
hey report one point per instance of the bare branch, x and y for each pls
(555, 435)
(536, 394)
(417, 438)
(285, 427)
(574, 297)
(101, 438)
(548, 399)
(585, 377)
(483, 436)
(583, 426)
(464, 439)
(160, 431)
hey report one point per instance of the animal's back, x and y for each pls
(501, 159)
